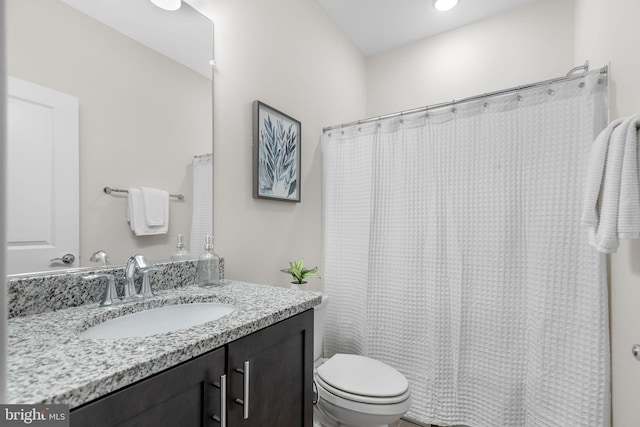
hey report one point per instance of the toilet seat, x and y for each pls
(348, 412)
(361, 379)
(361, 398)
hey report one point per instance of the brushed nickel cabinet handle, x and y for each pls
(245, 395)
(222, 419)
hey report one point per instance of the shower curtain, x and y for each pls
(453, 252)
(202, 217)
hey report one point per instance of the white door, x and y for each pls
(42, 178)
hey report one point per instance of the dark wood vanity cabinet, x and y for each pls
(180, 396)
(279, 364)
(279, 361)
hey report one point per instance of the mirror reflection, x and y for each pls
(143, 119)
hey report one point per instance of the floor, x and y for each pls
(404, 423)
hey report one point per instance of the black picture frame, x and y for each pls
(276, 154)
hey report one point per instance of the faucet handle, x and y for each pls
(146, 290)
(110, 294)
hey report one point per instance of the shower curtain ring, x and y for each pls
(519, 97)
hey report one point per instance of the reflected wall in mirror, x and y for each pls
(142, 115)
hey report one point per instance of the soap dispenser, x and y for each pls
(181, 252)
(207, 272)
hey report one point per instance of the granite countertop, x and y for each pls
(49, 363)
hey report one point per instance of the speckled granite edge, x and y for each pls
(28, 295)
(49, 363)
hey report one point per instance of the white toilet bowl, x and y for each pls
(353, 390)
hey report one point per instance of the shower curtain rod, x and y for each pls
(199, 156)
(568, 77)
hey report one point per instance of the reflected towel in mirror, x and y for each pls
(137, 215)
(156, 205)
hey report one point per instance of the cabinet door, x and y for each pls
(277, 365)
(180, 396)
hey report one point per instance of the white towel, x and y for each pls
(156, 206)
(611, 208)
(137, 218)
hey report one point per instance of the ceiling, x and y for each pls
(184, 35)
(375, 26)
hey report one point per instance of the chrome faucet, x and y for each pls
(129, 275)
(110, 294)
(101, 257)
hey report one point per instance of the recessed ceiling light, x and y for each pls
(444, 5)
(169, 4)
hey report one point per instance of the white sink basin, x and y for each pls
(158, 320)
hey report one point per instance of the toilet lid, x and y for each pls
(362, 376)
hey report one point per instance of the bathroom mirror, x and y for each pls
(143, 80)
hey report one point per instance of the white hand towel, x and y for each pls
(137, 217)
(156, 205)
(133, 197)
(611, 208)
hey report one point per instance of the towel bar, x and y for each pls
(110, 190)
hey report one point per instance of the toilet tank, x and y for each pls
(319, 320)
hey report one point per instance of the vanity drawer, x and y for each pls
(181, 396)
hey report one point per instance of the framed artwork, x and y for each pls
(276, 154)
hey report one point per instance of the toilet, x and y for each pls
(353, 390)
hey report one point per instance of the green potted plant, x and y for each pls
(299, 273)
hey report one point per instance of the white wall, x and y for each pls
(289, 55)
(607, 32)
(143, 117)
(524, 45)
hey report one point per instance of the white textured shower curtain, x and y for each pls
(453, 252)
(202, 217)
